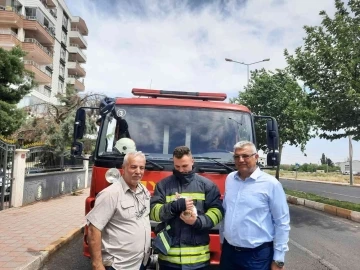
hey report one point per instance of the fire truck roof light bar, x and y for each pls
(179, 94)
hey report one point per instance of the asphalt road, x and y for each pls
(338, 192)
(318, 241)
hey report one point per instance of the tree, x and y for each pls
(323, 159)
(15, 83)
(278, 94)
(329, 162)
(329, 65)
(56, 126)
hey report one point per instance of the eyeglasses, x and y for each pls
(244, 156)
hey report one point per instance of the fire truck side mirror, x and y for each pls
(79, 126)
(272, 159)
(106, 106)
(272, 134)
(76, 148)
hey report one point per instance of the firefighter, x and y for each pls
(188, 206)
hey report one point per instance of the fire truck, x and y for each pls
(160, 120)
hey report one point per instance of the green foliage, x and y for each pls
(329, 65)
(15, 83)
(278, 94)
(323, 159)
(57, 127)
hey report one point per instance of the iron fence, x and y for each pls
(7, 153)
(45, 159)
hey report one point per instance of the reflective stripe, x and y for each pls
(194, 196)
(164, 241)
(155, 212)
(214, 214)
(199, 250)
(185, 259)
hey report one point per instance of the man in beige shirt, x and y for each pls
(119, 233)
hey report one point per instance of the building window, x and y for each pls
(63, 37)
(65, 21)
(61, 87)
(62, 71)
(62, 54)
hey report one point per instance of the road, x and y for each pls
(338, 192)
(317, 241)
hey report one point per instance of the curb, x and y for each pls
(321, 182)
(40, 260)
(330, 209)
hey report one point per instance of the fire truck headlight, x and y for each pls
(112, 175)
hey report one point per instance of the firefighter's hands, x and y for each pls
(178, 206)
(188, 219)
(189, 204)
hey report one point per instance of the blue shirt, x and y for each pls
(256, 212)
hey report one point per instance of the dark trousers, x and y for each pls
(259, 258)
(163, 267)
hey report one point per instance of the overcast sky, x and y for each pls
(181, 45)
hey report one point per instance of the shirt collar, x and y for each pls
(255, 175)
(127, 188)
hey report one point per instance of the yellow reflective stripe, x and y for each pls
(214, 214)
(155, 212)
(199, 250)
(185, 259)
(194, 196)
(164, 241)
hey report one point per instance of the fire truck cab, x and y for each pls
(158, 121)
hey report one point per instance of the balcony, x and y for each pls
(9, 17)
(42, 76)
(79, 23)
(43, 34)
(77, 53)
(37, 52)
(77, 38)
(76, 82)
(74, 68)
(8, 39)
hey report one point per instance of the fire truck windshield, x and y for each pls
(158, 130)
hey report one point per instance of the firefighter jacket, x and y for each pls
(189, 243)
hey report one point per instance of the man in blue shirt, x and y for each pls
(255, 231)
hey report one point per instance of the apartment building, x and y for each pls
(54, 41)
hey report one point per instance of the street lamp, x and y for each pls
(249, 64)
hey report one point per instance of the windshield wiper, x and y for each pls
(155, 164)
(228, 168)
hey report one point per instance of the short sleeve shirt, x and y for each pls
(122, 216)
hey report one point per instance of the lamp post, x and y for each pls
(247, 65)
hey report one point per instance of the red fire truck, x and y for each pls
(160, 120)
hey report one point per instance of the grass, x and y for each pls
(328, 177)
(317, 198)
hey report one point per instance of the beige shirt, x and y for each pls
(122, 216)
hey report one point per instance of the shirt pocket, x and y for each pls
(128, 208)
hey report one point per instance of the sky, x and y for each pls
(181, 45)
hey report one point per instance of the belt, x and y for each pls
(262, 246)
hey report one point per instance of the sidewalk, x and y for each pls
(30, 233)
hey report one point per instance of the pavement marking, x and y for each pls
(315, 256)
(341, 194)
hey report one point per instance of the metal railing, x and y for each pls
(8, 32)
(33, 63)
(33, 40)
(82, 36)
(77, 64)
(45, 159)
(50, 29)
(44, 91)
